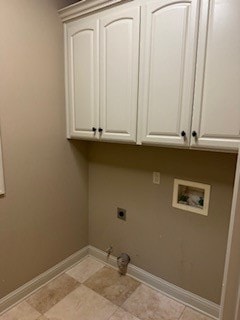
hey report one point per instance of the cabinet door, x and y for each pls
(2, 189)
(216, 117)
(119, 51)
(82, 78)
(169, 34)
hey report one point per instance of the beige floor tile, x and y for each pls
(42, 318)
(149, 304)
(85, 269)
(52, 293)
(23, 311)
(110, 284)
(83, 304)
(190, 314)
(120, 314)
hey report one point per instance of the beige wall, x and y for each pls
(181, 247)
(43, 216)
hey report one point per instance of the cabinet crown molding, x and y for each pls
(86, 6)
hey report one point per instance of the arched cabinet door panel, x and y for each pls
(82, 65)
(169, 36)
(119, 55)
(216, 117)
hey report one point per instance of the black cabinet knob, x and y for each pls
(100, 130)
(194, 134)
(183, 133)
(94, 129)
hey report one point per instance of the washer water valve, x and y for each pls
(122, 262)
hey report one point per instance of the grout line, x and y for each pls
(182, 313)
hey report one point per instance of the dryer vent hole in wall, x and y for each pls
(122, 262)
(122, 214)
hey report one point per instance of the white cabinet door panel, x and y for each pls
(169, 33)
(82, 72)
(119, 51)
(2, 188)
(217, 99)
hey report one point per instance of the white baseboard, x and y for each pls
(179, 294)
(190, 299)
(21, 293)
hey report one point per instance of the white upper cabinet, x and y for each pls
(102, 54)
(169, 36)
(82, 78)
(216, 117)
(119, 55)
(158, 72)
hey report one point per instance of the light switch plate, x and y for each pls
(156, 177)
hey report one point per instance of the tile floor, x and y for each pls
(93, 291)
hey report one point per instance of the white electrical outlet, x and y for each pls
(156, 177)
